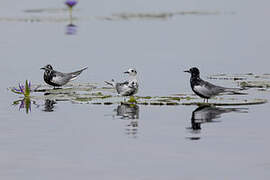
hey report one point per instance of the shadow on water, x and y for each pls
(71, 29)
(49, 105)
(130, 113)
(26, 103)
(208, 114)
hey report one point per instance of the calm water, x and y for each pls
(80, 141)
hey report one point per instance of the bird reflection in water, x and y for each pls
(207, 114)
(49, 105)
(129, 112)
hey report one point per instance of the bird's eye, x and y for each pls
(132, 70)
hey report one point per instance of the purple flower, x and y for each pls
(25, 90)
(71, 3)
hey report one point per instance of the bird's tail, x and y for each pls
(77, 73)
(112, 83)
(235, 91)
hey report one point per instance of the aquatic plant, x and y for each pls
(71, 3)
(24, 103)
(132, 99)
(23, 89)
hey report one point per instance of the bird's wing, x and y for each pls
(133, 84)
(60, 78)
(75, 74)
(121, 87)
(123, 83)
(202, 90)
(213, 89)
(125, 89)
(220, 89)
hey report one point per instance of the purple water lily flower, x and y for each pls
(71, 3)
(21, 89)
(24, 89)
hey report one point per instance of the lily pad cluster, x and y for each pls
(246, 81)
(97, 94)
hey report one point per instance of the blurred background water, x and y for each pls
(87, 141)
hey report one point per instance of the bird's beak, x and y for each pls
(126, 72)
(44, 68)
(187, 71)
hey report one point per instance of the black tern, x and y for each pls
(127, 88)
(56, 79)
(205, 89)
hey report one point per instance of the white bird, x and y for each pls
(127, 88)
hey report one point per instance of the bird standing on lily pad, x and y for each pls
(127, 88)
(56, 78)
(205, 89)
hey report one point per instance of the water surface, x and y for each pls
(65, 140)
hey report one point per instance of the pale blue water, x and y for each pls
(79, 141)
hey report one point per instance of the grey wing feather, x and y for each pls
(214, 89)
(125, 89)
(123, 83)
(207, 89)
(75, 74)
(61, 78)
(121, 87)
(221, 89)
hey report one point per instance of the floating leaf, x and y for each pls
(132, 99)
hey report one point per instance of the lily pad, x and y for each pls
(86, 93)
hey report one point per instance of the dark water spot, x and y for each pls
(49, 105)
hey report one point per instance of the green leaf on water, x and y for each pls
(132, 99)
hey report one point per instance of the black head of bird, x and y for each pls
(195, 72)
(48, 67)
